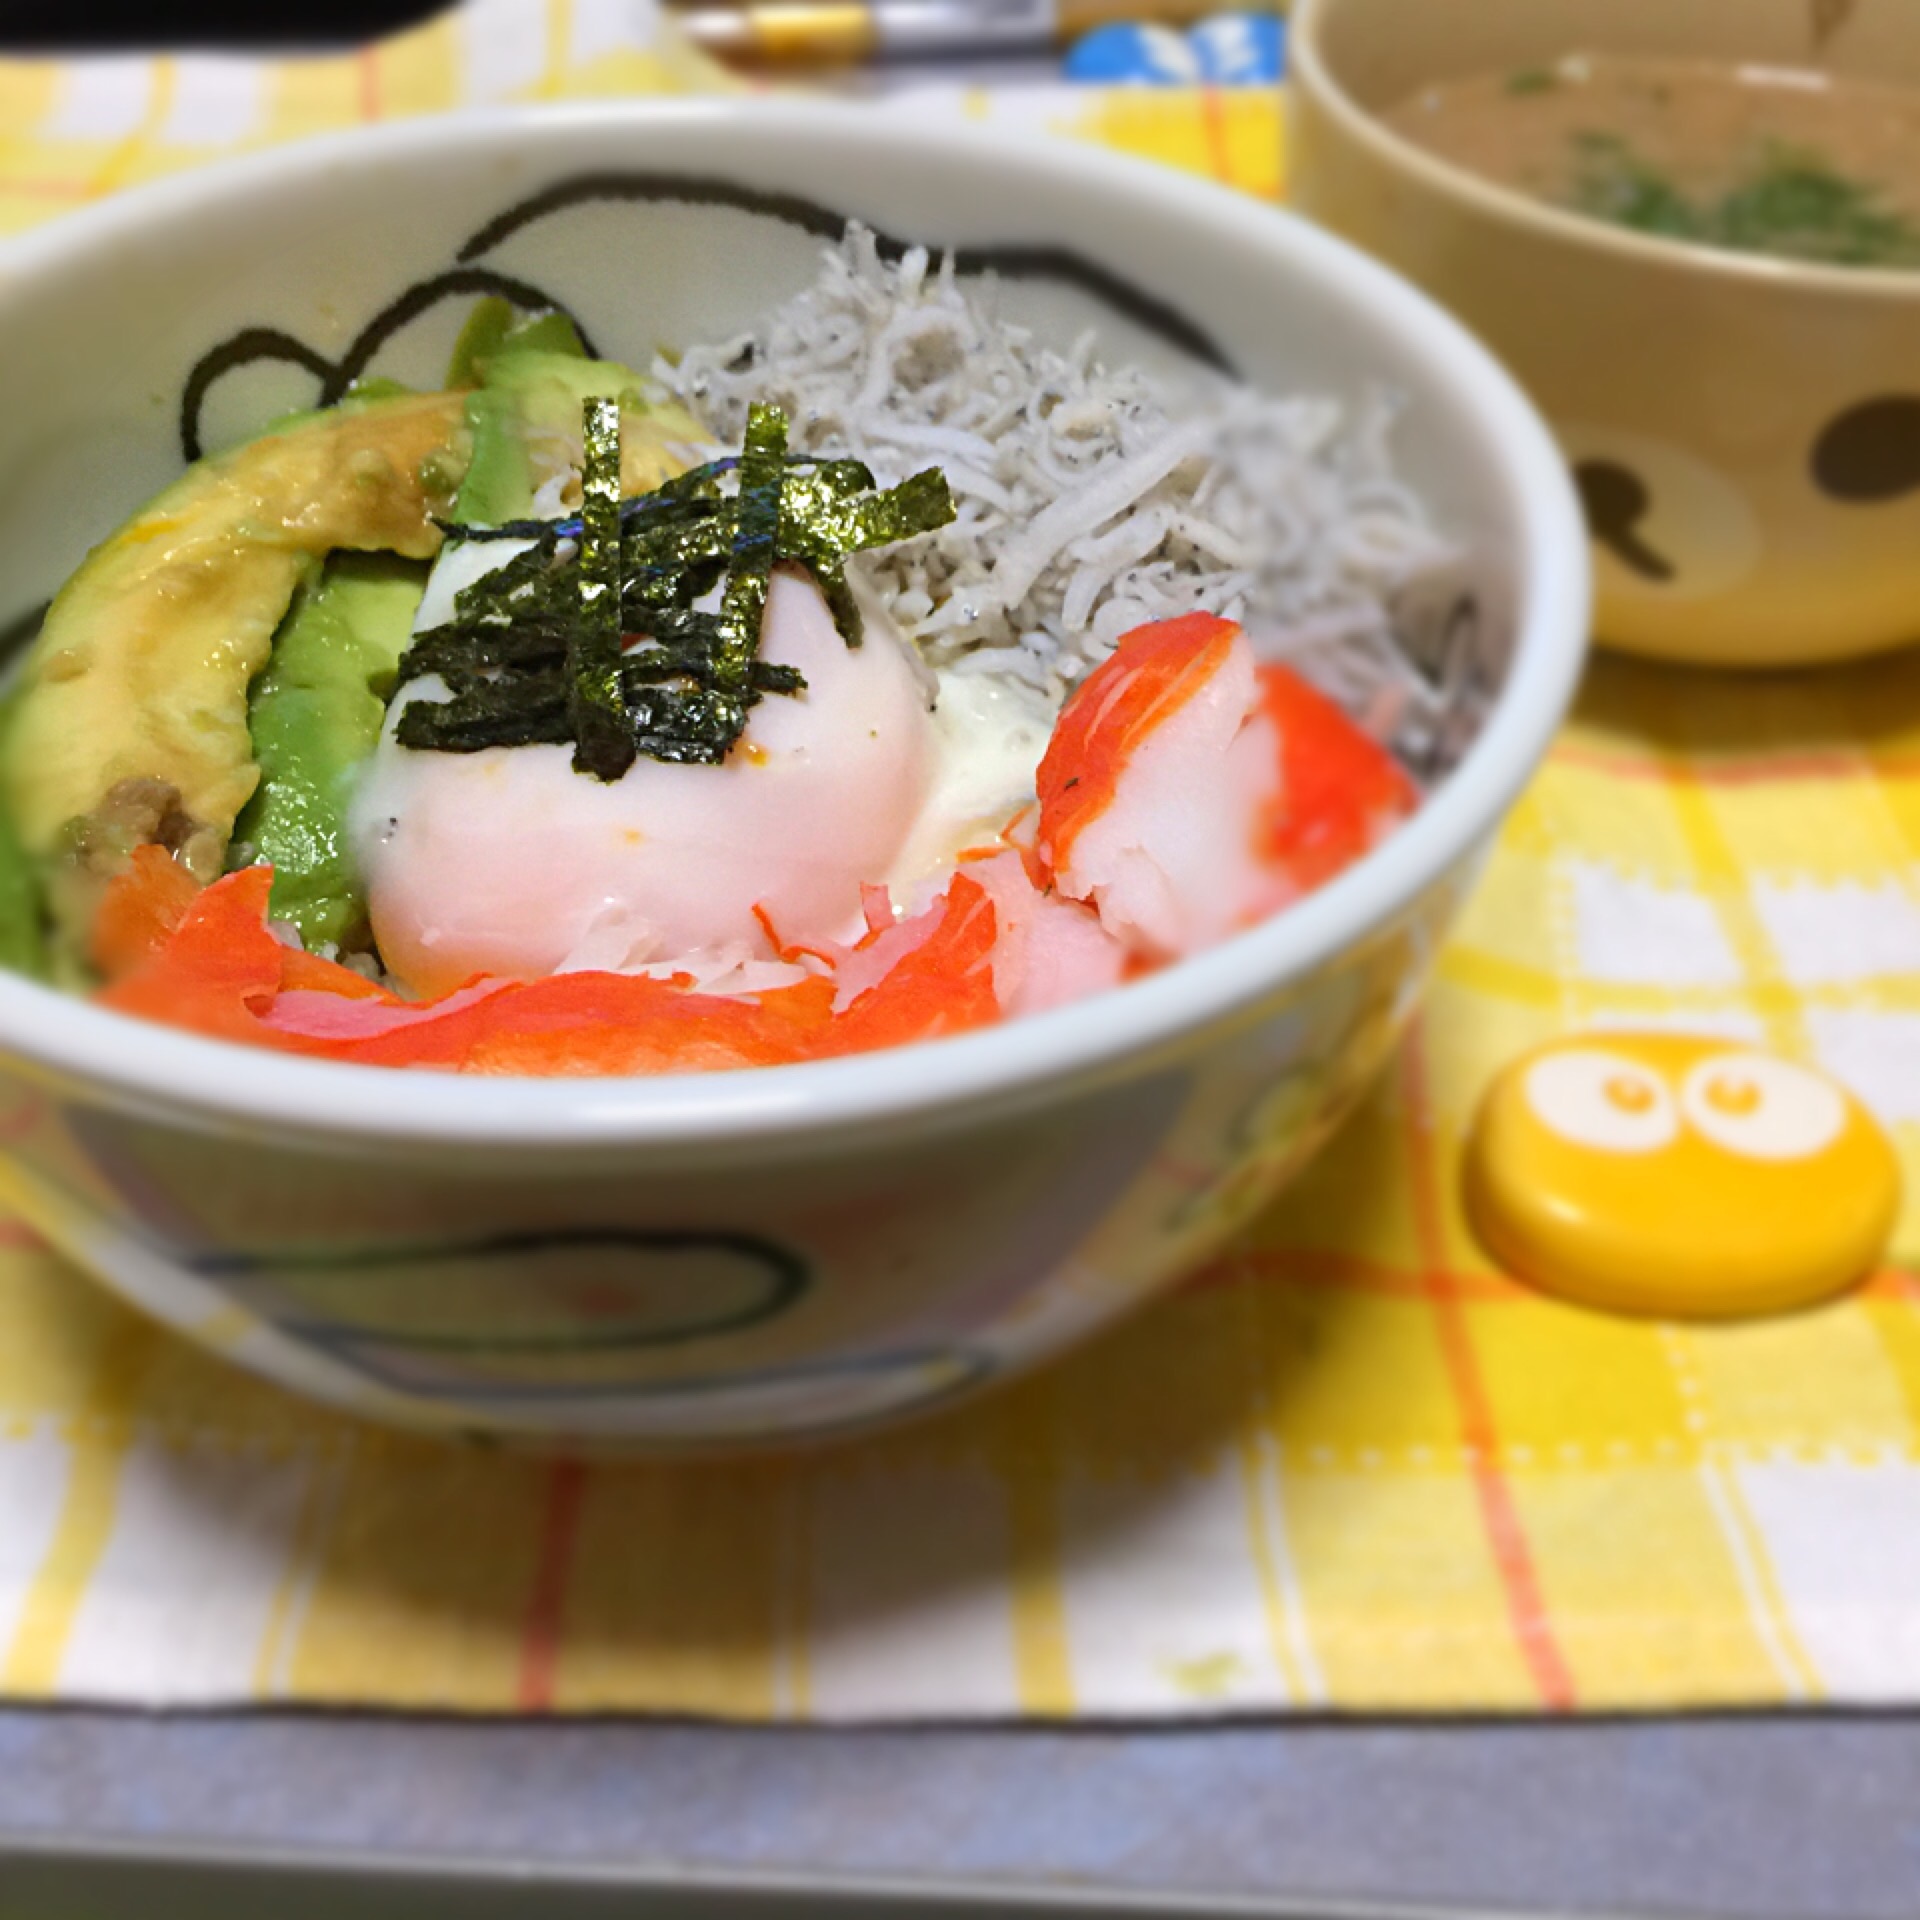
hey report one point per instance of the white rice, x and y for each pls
(1091, 499)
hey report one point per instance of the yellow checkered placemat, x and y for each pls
(1350, 1467)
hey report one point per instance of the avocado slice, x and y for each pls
(315, 715)
(525, 423)
(524, 413)
(156, 705)
(23, 937)
(497, 326)
(23, 940)
(137, 686)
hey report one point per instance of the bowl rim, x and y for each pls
(1309, 65)
(120, 1060)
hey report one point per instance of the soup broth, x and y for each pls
(1801, 165)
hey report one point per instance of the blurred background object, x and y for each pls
(1223, 50)
(1167, 42)
(48, 25)
(1158, 43)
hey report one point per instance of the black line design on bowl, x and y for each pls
(253, 344)
(785, 1279)
(1012, 262)
(468, 276)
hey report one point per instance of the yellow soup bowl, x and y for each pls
(1745, 430)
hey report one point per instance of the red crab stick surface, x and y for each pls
(209, 961)
(1186, 792)
(1136, 812)
(1342, 793)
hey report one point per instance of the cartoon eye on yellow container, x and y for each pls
(1670, 1174)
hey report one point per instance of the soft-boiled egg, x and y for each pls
(508, 862)
(988, 733)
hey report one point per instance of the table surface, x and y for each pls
(1816, 1817)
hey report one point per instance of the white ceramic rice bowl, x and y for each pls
(755, 1257)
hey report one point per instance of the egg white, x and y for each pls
(508, 862)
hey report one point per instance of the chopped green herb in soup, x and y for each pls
(1805, 166)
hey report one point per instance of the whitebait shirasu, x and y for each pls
(1091, 499)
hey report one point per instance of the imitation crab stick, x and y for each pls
(1049, 950)
(210, 962)
(139, 911)
(1188, 791)
(1342, 791)
(942, 982)
(1145, 808)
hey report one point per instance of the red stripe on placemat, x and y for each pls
(1506, 1537)
(540, 1637)
(1214, 118)
(49, 189)
(1349, 1273)
(1891, 1283)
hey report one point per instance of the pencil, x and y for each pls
(846, 32)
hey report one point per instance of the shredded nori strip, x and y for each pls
(592, 635)
(603, 743)
(756, 542)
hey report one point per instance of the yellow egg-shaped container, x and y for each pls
(1679, 1175)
